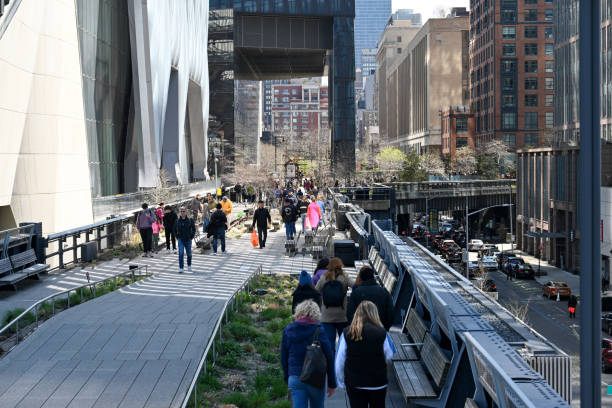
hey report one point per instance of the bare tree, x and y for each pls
(161, 192)
(465, 161)
(499, 151)
(391, 159)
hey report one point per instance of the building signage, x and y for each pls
(433, 220)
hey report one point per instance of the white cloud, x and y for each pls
(428, 10)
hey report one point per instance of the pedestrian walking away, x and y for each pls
(320, 269)
(169, 221)
(238, 192)
(289, 215)
(314, 214)
(227, 207)
(303, 210)
(361, 359)
(333, 286)
(185, 231)
(297, 336)
(367, 289)
(572, 303)
(262, 219)
(305, 290)
(217, 227)
(144, 224)
(195, 207)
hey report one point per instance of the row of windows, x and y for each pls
(531, 100)
(508, 66)
(531, 84)
(530, 32)
(531, 50)
(529, 139)
(509, 120)
(509, 15)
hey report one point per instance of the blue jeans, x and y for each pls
(302, 394)
(187, 246)
(331, 329)
(205, 222)
(304, 222)
(290, 229)
(219, 235)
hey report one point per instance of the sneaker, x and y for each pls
(214, 253)
(174, 251)
(168, 251)
(180, 270)
(224, 252)
(189, 268)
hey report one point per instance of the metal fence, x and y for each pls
(232, 302)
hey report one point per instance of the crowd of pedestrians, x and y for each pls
(324, 314)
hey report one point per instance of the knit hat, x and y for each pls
(305, 279)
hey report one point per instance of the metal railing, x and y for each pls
(103, 230)
(131, 274)
(231, 302)
(8, 8)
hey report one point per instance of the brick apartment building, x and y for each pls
(299, 109)
(511, 71)
(458, 126)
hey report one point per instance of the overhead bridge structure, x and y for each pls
(284, 39)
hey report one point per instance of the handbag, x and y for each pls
(254, 239)
(314, 369)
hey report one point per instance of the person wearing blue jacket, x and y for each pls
(296, 337)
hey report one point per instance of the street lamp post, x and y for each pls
(216, 175)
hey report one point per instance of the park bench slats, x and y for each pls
(404, 353)
(416, 328)
(412, 379)
(435, 360)
(5, 266)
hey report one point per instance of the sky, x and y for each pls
(428, 8)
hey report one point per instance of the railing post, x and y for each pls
(60, 251)
(68, 299)
(99, 239)
(17, 332)
(36, 311)
(74, 248)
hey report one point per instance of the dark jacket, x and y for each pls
(303, 293)
(261, 218)
(194, 204)
(365, 364)
(572, 301)
(169, 220)
(296, 337)
(185, 229)
(370, 290)
(218, 220)
(303, 207)
(289, 213)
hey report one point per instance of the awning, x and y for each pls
(545, 235)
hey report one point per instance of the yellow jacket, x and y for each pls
(227, 207)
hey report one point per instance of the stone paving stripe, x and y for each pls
(25, 382)
(119, 385)
(168, 384)
(72, 384)
(95, 384)
(144, 384)
(47, 386)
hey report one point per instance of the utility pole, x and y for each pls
(511, 226)
(467, 238)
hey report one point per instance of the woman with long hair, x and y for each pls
(333, 286)
(361, 360)
(319, 270)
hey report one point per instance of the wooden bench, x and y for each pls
(404, 352)
(423, 378)
(19, 267)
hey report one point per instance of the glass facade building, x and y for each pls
(371, 17)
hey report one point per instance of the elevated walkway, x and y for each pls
(139, 346)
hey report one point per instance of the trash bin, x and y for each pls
(347, 251)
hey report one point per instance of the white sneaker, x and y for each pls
(174, 251)
(180, 270)
(168, 251)
(215, 254)
(189, 268)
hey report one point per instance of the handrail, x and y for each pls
(52, 237)
(91, 285)
(11, 9)
(211, 341)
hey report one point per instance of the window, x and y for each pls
(508, 66)
(548, 1)
(508, 15)
(549, 100)
(549, 50)
(399, 38)
(548, 15)
(549, 66)
(509, 50)
(531, 67)
(531, 139)
(549, 83)
(550, 120)
(461, 142)
(509, 120)
(531, 83)
(531, 32)
(531, 120)
(531, 15)
(399, 50)
(508, 100)
(507, 84)
(509, 139)
(461, 125)
(531, 49)
(509, 33)
(531, 101)
(548, 33)
(531, 2)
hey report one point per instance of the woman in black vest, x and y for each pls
(361, 360)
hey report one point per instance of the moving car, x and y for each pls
(474, 244)
(606, 355)
(487, 263)
(606, 323)
(550, 289)
(511, 263)
(517, 269)
(453, 255)
(484, 249)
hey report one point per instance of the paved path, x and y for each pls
(138, 346)
(31, 291)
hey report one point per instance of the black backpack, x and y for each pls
(333, 294)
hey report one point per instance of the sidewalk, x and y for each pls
(552, 273)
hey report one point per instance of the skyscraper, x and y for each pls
(371, 17)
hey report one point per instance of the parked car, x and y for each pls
(550, 289)
(487, 263)
(474, 244)
(606, 323)
(484, 249)
(606, 355)
(517, 269)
